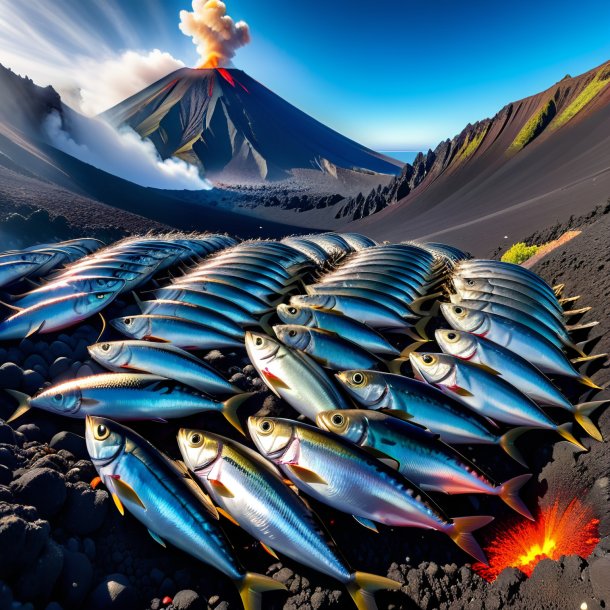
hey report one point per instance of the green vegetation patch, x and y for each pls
(535, 126)
(599, 82)
(472, 144)
(519, 252)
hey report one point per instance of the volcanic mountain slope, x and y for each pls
(236, 129)
(538, 160)
(34, 175)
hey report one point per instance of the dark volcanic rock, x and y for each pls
(24, 538)
(113, 592)
(36, 583)
(43, 488)
(85, 509)
(188, 600)
(70, 442)
(75, 579)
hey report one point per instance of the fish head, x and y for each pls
(133, 326)
(294, 314)
(315, 301)
(199, 449)
(105, 440)
(261, 347)
(456, 343)
(92, 302)
(476, 284)
(352, 424)
(432, 368)
(99, 284)
(292, 335)
(463, 318)
(368, 387)
(272, 436)
(116, 353)
(63, 399)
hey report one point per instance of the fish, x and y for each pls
(127, 396)
(421, 403)
(293, 376)
(327, 348)
(252, 493)
(349, 479)
(53, 315)
(421, 456)
(182, 333)
(11, 272)
(347, 327)
(367, 311)
(518, 372)
(161, 497)
(486, 393)
(516, 337)
(164, 360)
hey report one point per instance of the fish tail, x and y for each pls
(575, 327)
(230, 407)
(23, 406)
(507, 442)
(509, 493)
(363, 586)
(264, 322)
(415, 305)
(558, 290)
(585, 380)
(565, 431)
(582, 415)
(575, 312)
(460, 531)
(252, 585)
(567, 300)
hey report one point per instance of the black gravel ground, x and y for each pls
(64, 545)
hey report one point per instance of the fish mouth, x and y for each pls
(279, 452)
(97, 461)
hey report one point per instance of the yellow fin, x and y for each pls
(252, 585)
(23, 406)
(269, 550)
(118, 504)
(230, 407)
(221, 489)
(194, 486)
(461, 391)
(306, 475)
(486, 368)
(126, 492)
(227, 516)
(364, 585)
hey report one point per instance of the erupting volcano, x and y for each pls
(558, 530)
(236, 129)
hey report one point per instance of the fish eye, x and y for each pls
(128, 321)
(458, 310)
(470, 282)
(337, 419)
(258, 341)
(266, 426)
(196, 439)
(357, 378)
(100, 295)
(292, 333)
(451, 336)
(105, 347)
(428, 359)
(58, 397)
(101, 432)
(292, 311)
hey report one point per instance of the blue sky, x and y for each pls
(394, 75)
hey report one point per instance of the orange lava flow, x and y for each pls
(557, 531)
(211, 61)
(226, 75)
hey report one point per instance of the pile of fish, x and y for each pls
(337, 326)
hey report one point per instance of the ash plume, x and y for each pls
(214, 32)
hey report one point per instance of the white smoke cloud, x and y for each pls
(214, 32)
(121, 153)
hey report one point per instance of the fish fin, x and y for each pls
(230, 407)
(264, 322)
(269, 550)
(127, 493)
(461, 530)
(227, 516)
(89, 402)
(274, 382)
(23, 406)
(118, 504)
(390, 462)
(415, 305)
(395, 366)
(575, 312)
(588, 358)
(568, 300)
(507, 442)
(565, 431)
(103, 326)
(138, 301)
(490, 421)
(203, 497)
(509, 493)
(558, 290)
(157, 538)
(397, 413)
(575, 327)
(306, 475)
(589, 382)
(11, 307)
(413, 348)
(434, 488)
(486, 368)
(252, 585)
(35, 329)
(157, 339)
(582, 416)
(363, 586)
(95, 482)
(366, 523)
(460, 391)
(221, 489)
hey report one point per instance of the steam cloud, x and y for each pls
(214, 32)
(121, 153)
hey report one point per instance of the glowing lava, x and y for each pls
(558, 531)
(213, 60)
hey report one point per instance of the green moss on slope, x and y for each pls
(534, 126)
